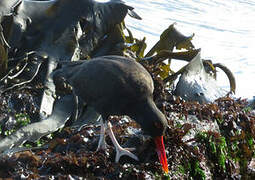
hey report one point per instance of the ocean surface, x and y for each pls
(224, 30)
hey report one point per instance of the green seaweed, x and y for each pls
(216, 148)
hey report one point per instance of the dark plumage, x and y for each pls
(116, 85)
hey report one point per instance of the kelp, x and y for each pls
(62, 112)
(112, 44)
(101, 22)
(230, 75)
(49, 26)
(171, 38)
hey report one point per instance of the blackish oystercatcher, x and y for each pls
(116, 85)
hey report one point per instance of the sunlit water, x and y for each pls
(224, 30)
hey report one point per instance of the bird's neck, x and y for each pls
(150, 118)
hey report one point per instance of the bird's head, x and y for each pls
(153, 123)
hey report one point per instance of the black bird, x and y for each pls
(116, 85)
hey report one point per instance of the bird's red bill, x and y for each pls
(161, 152)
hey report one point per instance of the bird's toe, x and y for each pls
(125, 151)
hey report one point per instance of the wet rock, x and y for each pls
(197, 85)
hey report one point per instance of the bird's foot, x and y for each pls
(120, 151)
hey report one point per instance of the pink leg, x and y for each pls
(102, 144)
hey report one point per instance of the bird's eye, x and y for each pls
(158, 125)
